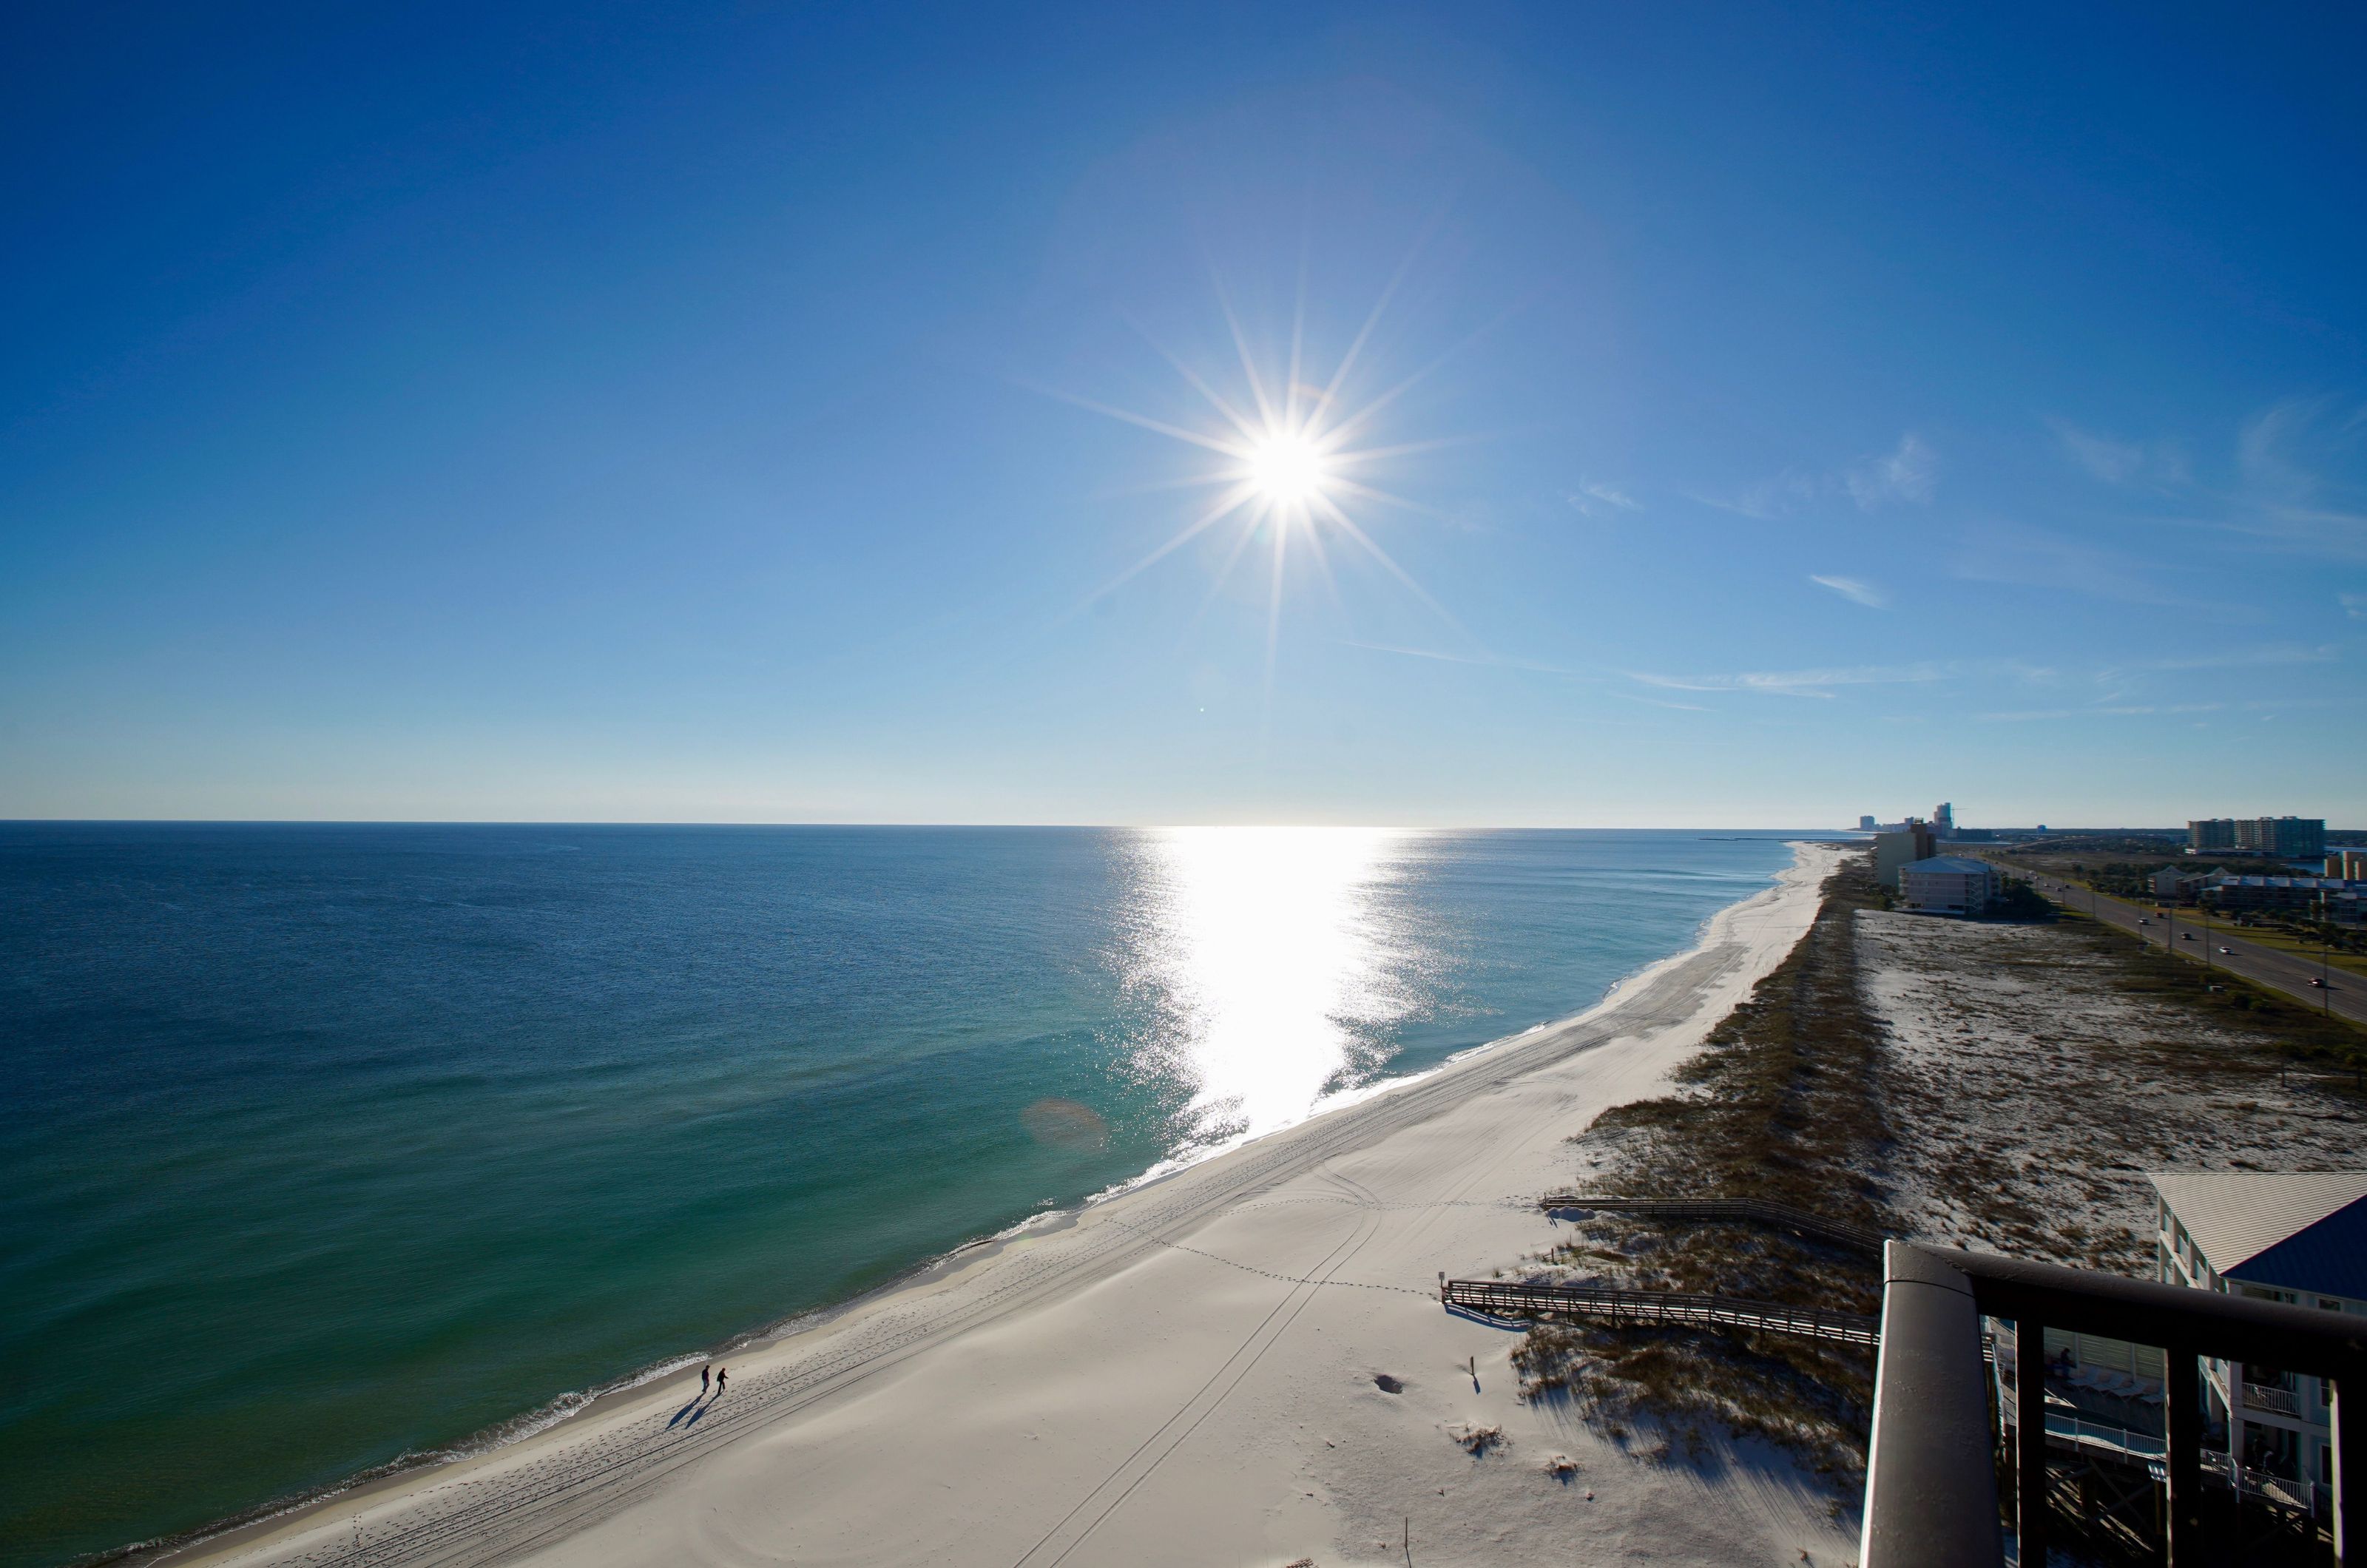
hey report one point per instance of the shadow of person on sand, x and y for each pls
(687, 1411)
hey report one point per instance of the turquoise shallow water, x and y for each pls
(334, 1145)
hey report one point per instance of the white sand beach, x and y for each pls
(1183, 1375)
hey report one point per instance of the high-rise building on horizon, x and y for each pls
(2289, 838)
(1912, 841)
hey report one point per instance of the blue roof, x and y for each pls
(2331, 1257)
(2303, 1231)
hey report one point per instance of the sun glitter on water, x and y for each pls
(1279, 954)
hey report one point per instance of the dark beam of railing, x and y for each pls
(1931, 1489)
(2182, 1376)
(2346, 1425)
(2030, 1441)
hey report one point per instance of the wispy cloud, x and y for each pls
(2032, 558)
(2121, 710)
(2298, 465)
(1855, 589)
(1596, 499)
(2118, 690)
(1768, 499)
(1908, 472)
(1797, 683)
(1911, 472)
(2155, 465)
(2354, 605)
(2296, 479)
(1483, 661)
(2257, 656)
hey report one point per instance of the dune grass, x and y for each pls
(1782, 1103)
(1799, 1097)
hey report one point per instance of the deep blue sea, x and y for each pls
(329, 1145)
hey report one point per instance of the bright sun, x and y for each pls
(1286, 468)
(1298, 463)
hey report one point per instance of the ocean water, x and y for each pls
(332, 1145)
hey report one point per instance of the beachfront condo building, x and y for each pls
(2325, 897)
(1912, 840)
(1948, 884)
(2288, 838)
(2297, 1238)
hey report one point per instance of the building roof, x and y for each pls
(2301, 1231)
(2334, 884)
(1958, 865)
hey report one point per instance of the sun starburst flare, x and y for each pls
(1295, 460)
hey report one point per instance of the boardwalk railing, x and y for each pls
(1502, 1298)
(1839, 1232)
(1932, 1483)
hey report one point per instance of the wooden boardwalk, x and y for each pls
(1501, 1298)
(1781, 1215)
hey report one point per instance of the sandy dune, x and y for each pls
(1184, 1374)
(2030, 1092)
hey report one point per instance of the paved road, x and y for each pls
(2343, 993)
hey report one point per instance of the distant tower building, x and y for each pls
(1865, 824)
(1943, 820)
(2288, 838)
(2205, 833)
(1895, 851)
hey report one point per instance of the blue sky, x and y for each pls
(699, 415)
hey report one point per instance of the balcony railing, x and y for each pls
(2267, 1396)
(2304, 1496)
(1931, 1490)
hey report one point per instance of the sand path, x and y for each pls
(1183, 1375)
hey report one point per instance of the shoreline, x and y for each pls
(633, 1397)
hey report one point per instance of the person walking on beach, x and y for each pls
(720, 1374)
(703, 1374)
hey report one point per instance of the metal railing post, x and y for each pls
(1931, 1478)
(2182, 1411)
(2346, 1425)
(1930, 1496)
(2029, 1441)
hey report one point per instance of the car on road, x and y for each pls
(2315, 981)
(2189, 936)
(2230, 953)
